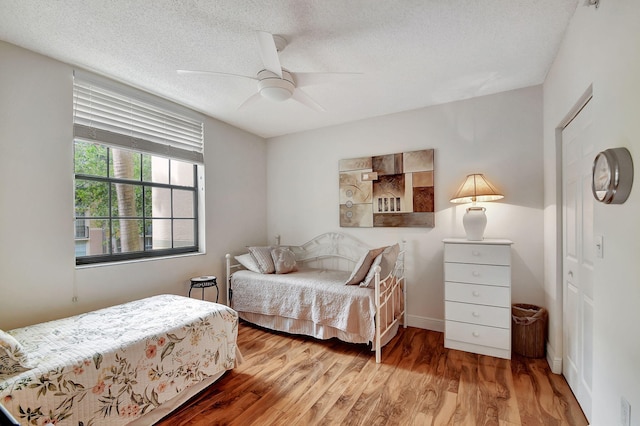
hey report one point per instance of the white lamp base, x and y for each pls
(474, 222)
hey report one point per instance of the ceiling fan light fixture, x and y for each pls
(275, 88)
(276, 93)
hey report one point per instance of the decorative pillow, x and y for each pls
(284, 260)
(248, 262)
(363, 266)
(386, 260)
(13, 358)
(262, 256)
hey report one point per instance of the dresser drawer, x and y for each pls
(477, 274)
(488, 254)
(478, 334)
(478, 314)
(478, 294)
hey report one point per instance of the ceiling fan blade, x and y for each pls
(250, 101)
(269, 52)
(224, 74)
(311, 78)
(306, 100)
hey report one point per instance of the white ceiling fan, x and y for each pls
(274, 82)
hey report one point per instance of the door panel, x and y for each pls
(571, 325)
(588, 243)
(587, 341)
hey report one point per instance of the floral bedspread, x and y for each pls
(110, 366)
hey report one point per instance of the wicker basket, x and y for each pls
(529, 330)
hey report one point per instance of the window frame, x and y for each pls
(143, 184)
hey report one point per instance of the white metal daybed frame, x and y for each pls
(338, 251)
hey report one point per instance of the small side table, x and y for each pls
(204, 282)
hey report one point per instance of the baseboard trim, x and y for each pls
(555, 362)
(426, 323)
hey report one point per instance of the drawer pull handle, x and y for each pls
(475, 314)
(475, 253)
(475, 334)
(476, 293)
(475, 273)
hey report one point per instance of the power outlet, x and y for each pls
(625, 412)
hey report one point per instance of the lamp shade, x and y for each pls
(476, 188)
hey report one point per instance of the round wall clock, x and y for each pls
(612, 176)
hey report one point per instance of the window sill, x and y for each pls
(144, 259)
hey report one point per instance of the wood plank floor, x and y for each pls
(295, 380)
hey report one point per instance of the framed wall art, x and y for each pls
(394, 190)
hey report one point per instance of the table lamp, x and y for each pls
(475, 188)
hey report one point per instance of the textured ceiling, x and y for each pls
(411, 53)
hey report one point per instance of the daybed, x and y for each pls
(331, 286)
(112, 366)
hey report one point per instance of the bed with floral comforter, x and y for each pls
(114, 365)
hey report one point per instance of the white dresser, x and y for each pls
(477, 293)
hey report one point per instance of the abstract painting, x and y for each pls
(394, 190)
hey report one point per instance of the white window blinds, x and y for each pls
(104, 115)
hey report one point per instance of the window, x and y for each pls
(136, 173)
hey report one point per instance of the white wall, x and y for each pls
(38, 276)
(602, 48)
(499, 135)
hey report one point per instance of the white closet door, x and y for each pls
(578, 255)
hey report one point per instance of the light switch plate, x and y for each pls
(625, 412)
(599, 241)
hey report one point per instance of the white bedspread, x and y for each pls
(310, 294)
(109, 367)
